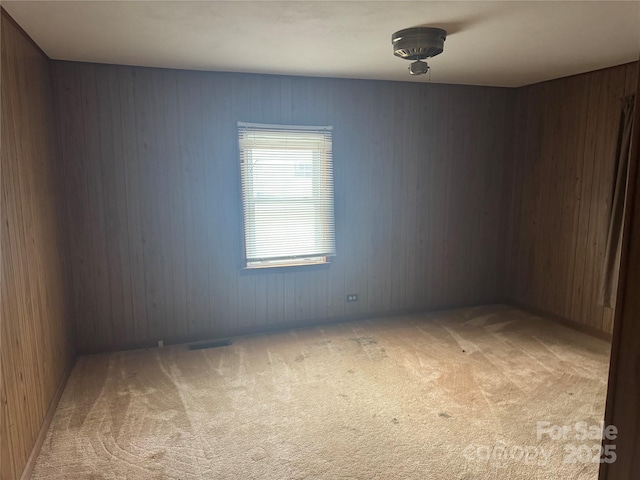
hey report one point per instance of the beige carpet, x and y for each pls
(436, 396)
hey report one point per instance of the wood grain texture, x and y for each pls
(36, 347)
(560, 193)
(623, 394)
(152, 185)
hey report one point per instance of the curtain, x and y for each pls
(611, 266)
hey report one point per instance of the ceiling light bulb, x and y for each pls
(418, 68)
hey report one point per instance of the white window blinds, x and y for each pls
(287, 194)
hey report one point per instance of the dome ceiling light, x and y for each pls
(418, 43)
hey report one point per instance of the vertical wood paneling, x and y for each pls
(191, 134)
(36, 348)
(564, 160)
(130, 183)
(96, 203)
(418, 175)
(115, 213)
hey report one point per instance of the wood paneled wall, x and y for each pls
(154, 216)
(36, 347)
(561, 187)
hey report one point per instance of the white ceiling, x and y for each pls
(507, 43)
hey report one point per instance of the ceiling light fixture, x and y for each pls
(418, 43)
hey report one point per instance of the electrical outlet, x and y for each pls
(352, 297)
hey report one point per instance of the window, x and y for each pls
(287, 194)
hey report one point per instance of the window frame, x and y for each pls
(245, 264)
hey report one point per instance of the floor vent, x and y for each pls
(212, 344)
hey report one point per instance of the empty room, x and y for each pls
(320, 240)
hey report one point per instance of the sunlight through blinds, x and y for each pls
(287, 194)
